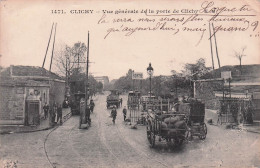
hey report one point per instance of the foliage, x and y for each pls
(123, 83)
(77, 84)
(68, 59)
(177, 83)
(195, 71)
(71, 62)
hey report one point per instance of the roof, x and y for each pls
(27, 71)
(22, 82)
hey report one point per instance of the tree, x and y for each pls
(195, 71)
(239, 56)
(124, 83)
(68, 59)
(99, 87)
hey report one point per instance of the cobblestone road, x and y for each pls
(108, 145)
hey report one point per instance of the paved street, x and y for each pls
(108, 145)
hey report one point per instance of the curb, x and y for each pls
(65, 118)
(253, 131)
(256, 132)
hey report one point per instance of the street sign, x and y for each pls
(226, 75)
(137, 75)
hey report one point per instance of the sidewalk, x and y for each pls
(212, 114)
(44, 125)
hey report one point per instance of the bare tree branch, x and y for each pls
(240, 55)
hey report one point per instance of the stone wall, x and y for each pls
(12, 104)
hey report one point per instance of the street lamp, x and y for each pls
(150, 73)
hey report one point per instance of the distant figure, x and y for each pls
(114, 114)
(88, 119)
(124, 112)
(92, 105)
(52, 115)
(121, 102)
(59, 114)
(54, 111)
(46, 110)
(51, 121)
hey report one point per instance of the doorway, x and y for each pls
(32, 113)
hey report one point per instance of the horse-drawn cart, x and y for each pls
(195, 116)
(171, 128)
(176, 127)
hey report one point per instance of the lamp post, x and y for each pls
(150, 73)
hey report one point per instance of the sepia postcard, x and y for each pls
(114, 83)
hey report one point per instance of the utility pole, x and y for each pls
(211, 47)
(47, 47)
(53, 46)
(216, 46)
(86, 82)
(83, 114)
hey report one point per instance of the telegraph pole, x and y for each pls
(216, 46)
(53, 47)
(86, 83)
(47, 47)
(83, 119)
(211, 48)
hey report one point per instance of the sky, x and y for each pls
(25, 28)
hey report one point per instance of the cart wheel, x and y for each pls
(204, 132)
(152, 139)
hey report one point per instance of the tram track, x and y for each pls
(68, 139)
(104, 140)
(137, 151)
(44, 146)
(107, 138)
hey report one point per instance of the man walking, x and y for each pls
(54, 111)
(51, 121)
(92, 105)
(121, 102)
(114, 114)
(46, 110)
(124, 112)
(88, 119)
(59, 114)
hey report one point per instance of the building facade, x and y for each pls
(23, 92)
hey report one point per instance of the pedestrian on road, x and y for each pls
(51, 121)
(121, 102)
(59, 114)
(46, 110)
(124, 112)
(114, 114)
(92, 105)
(88, 119)
(54, 114)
